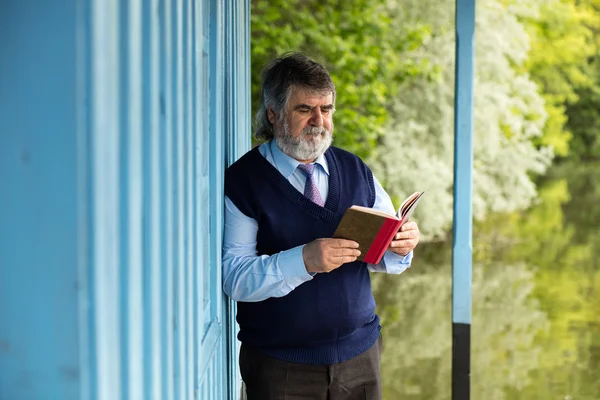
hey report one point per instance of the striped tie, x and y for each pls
(311, 191)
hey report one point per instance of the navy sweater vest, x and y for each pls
(330, 318)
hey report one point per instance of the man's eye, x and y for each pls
(304, 111)
(325, 111)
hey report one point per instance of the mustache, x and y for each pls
(314, 131)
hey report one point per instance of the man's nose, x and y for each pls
(316, 117)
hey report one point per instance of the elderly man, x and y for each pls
(305, 306)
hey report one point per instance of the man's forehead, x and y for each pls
(300, 96)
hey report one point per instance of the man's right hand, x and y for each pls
(325, 255)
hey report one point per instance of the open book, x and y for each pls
(374, 230)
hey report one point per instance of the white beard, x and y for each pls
(312, 142)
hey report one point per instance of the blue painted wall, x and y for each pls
(117, 120)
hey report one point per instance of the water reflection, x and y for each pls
(536, 303)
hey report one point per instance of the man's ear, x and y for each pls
(271, 115)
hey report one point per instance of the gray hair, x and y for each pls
(280, 77)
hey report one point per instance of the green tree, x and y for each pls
(562, 43)
(583, 116)
(354, 39)
(584, 123)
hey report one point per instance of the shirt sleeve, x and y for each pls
(391, 262)
(249, 277)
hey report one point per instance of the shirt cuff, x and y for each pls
(291, 265)
(395, 263)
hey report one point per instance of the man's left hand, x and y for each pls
(406, 239)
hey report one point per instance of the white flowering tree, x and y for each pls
(416, 152)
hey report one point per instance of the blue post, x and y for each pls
(463, 177)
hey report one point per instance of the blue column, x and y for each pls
(463, 191)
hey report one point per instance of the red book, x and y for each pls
(374, 230)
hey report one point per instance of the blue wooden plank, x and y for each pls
(178, 190)
(87, 314)
(105, 200)
(210, 355)
(136, 336)
(131, 205)
(217, 161)
(166, 52)
(197, 116)
(238, 137)
(190, 200)
(151, 188)
(232, 127)
(123, 166)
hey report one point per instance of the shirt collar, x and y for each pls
(287, 165)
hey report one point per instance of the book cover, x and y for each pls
(374, 230)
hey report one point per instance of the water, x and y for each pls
(536, 303)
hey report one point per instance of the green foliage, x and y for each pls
(562, 42)
(354, 39)
(558, 237)
(536, 296)
(584, 122)
(583, 114)
(417, 331)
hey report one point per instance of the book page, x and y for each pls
(373, 211)
(408, 206)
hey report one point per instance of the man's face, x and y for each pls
(305, 130)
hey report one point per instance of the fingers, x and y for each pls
(342, 243)
(406, 235)
(339, 255)
(406, 240)
(410, 230)
(339, 259)
(409, 226)
(407, 245)
(344, 253)
(403, 241)
(325, 255)
(402, 247)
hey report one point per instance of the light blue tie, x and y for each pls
(311, 191)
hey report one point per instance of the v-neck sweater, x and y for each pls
(330, 318)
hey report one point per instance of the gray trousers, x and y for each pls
(268, 378)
